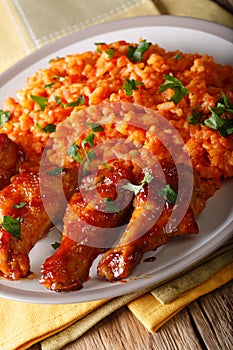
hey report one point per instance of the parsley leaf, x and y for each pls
(179, 90)
(137, 188)
(55, 245)
(110, 205)
(135, 53)
(48, 128)
(57, 99)
(196, 116)
(177, 56)
(168, 193)
(106, 165)
(49, 85)
(110, 52)
(95, 127)
(78, 102)
(55, 171)
(74, 153)
(218, 119)
(20, 205)
(131, 85)
(12, 226)
(40, 100)
(4, 117)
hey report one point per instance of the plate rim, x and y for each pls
(210, 27)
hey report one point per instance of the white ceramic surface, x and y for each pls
(216, 221)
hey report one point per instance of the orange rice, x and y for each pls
(99, 77)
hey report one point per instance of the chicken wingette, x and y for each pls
(24, 219)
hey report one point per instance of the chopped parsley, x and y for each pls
(168, 193)
(131, 85)
(57, 99)
(177, 56)
(110, 52)
(179, 90)
(20, 205)
(73, 152)
(4, 117)
(12, 226)
(55, 171)
(110, 205)
(137, 188)
(49, 85)
(106, 165)
(78, 102)
(196, 116)
(98, 48)
(58, 77)
(55, 245)
(135, 54)
(40, 100)
(218, 119)
(95, 127)
(48, 128)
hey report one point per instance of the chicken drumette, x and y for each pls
(24, 219)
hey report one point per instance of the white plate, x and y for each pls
(216, 221)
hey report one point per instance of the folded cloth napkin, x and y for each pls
(27, 25)
(57, 325)
(24, 27)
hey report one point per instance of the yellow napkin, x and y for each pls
(23, 29)
(57, 325)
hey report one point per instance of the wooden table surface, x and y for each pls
(207, 323)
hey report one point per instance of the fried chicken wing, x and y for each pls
(24, 220)
(150, 226)
(10, 159)
(93, 220)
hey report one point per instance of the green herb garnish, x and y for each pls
(218, 120)
(40, 100)
(78, 102)
(12, 226)
(55, 171)
(131, 85)
(196, 116)
(168, 193)
(20, 205)
(135, 53)
(110, 205)
(95, 127)
(57, 99)
(179, 90)
(137, 188)
(106, 165)
(4, 117)
(48, 128)
(55, 245)
(58, 77)
(73, 152)
(49, 85)
(97, 44)
(110, 52)
(177, 56)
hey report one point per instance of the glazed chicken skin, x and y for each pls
(24, 220)
(87, 225)
(11, 157)
(94, 218)
(149, 226)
